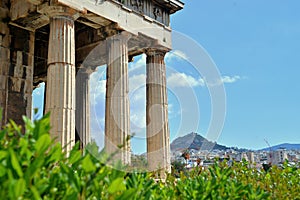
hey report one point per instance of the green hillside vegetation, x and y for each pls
(32, 166)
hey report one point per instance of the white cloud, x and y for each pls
(175, 55)
(137, 95)
(228, 79)
(172, 112)
(97, 86)
(136, 82)
(184, 80)
(224, 80)
(138, 120)
(139, 61)
(180, 54)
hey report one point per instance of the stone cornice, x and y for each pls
(173, 5)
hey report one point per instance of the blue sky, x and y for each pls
(258, 40)
(255, 45)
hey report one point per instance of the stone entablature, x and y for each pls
(147, 17)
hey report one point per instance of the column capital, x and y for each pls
(121, 36)
(109, 30)
(58, 11)
(86, 70)
(156, 52)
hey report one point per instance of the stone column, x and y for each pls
(117, 117)
(158, 135)
(60, 90)
(83, 106)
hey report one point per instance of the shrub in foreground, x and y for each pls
(32, 166)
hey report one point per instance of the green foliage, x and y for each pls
(32, 166)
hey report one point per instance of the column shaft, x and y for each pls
(60, 93)
(158, 136)
(83, 106)
(117, 116)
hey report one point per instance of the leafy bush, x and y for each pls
(32, 166)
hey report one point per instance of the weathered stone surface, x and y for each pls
(16, 64)
(158, 136)
(4, 63)
(15, 106)
(3, 81)
(20, 9)
(117, 114)
(5, 54)
(60, 90)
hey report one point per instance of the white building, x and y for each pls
(278, 156)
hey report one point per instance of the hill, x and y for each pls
(286, 146)
(195, 141)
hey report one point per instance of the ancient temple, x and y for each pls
(49, 41)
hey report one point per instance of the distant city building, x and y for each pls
(250, 156)
(278, 156)
(253, 157)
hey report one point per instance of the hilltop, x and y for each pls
(286, 146)
(195, 141)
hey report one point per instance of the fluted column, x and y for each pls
(83, 106)
(117, 118)
(158, 135)
(60, 92)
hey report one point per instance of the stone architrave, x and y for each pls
(83, 105)
(60, 90)
(158, 135)
(117, 114)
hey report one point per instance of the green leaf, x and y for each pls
(19, 187)
(15, 127)
(55, 154)
(42, 126)
(2, 170)
(15, 163)
(87, 164)
(117, 185)
(128, 194)
(3, 154)
(75, 155)
(28, 123)
(23, 143)
(11, 189)
(35, 192)
(34, 167)
(43, 143)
